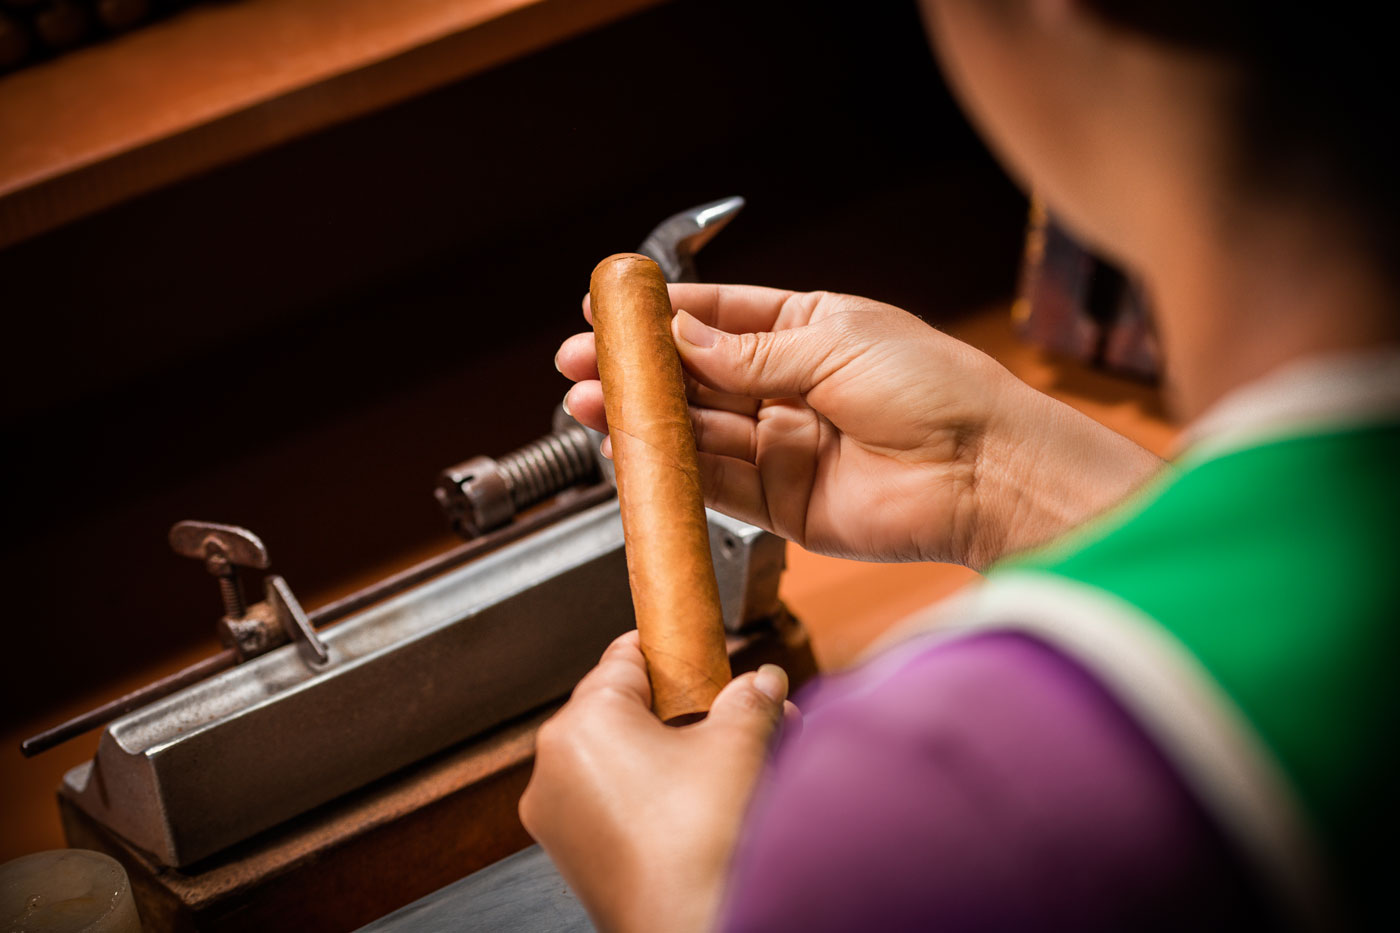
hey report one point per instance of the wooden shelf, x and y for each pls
(220, 82)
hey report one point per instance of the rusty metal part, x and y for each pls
(223, 548)
(482, 494)
(294, 623)
(192, 774)
(475, 496)
(272, 623)
(238, 545)
(256, 631)
(249, 631)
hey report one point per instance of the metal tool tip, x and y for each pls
(719, 211)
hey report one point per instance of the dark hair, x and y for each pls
(1315, 103)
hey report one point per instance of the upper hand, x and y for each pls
(855, 429)
(840, 423)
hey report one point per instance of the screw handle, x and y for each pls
(482, 493)
(223, 548)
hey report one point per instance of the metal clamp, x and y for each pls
(257, 629)
(294, 622)
(223, 548)
(485, 493)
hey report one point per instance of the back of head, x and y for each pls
(1313, 107)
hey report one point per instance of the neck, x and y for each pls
(1237, 301)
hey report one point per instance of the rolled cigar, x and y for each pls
(658, 485)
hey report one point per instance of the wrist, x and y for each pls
(680, 891)
(1043, 469)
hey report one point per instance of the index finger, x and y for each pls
(736, 309)
(623, 668)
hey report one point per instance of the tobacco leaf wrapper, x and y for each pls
(667, 538)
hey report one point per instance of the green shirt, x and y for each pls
(1245, 608)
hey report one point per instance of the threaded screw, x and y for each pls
(485, 493)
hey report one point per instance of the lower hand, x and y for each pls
(641, 818)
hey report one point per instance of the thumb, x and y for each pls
(751, 704)
(768, 364)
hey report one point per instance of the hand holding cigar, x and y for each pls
(674, 592)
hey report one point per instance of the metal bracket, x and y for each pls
(255, 632)
(256, 629)
(295, 623)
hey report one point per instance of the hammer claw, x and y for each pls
(675, 241)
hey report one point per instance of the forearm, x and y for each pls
(1045, 468)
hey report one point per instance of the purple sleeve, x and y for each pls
(984, 783)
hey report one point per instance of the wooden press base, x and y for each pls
(355, 859)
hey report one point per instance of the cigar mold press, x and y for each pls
(200, 775)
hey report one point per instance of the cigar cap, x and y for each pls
(622, 257)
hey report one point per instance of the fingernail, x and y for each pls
(557, 367)
(695, 331)
(565, 405)
(771, 681)
(606, 447)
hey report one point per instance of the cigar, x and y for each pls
(664, 529)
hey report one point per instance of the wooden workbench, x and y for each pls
(843, 604)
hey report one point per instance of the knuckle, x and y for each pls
(747, 350)
(749, 700)
(548, 739)
(527, 809)
(753, 358)
(609, 694)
